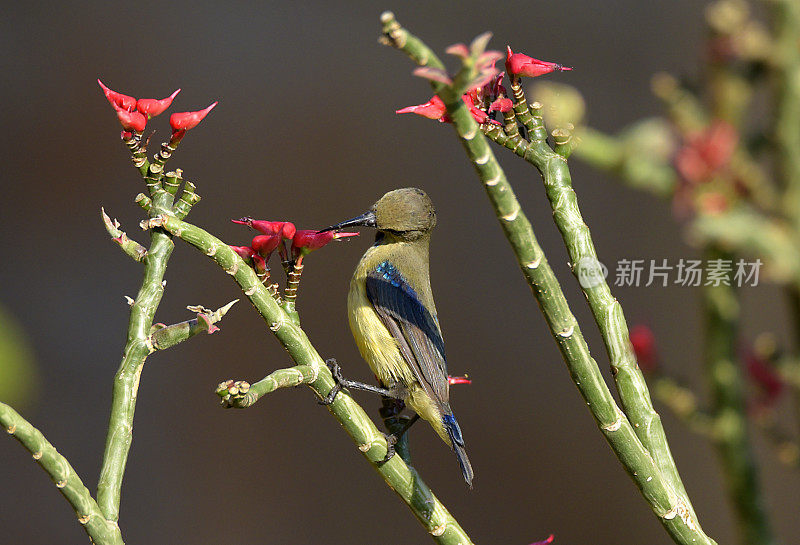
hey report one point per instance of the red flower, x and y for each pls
(152, 107)
(184, 121)
(501, 105)
(245, 252)
(264, 245)
(478, 115)
(458, 380)
(118, 99)
(519, 64)
(433, 109)
(644, 346)
(285, 228)
(131, 121)
(306, 241)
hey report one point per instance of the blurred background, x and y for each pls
(305, 131)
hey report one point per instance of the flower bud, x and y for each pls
(264, 245)
(152, 107)
(118, 99)
(184, 121)
(131, 121)
(519, 64)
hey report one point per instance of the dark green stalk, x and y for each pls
(787, 138)
(401, 478)
(730, 434)
(100, 530)
(790, 367)
(673, 510)
(787, 114)
(126, 381)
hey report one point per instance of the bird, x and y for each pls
(393, 317)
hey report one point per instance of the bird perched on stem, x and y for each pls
(393, 317)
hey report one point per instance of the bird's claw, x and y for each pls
(391, 441)
(336, 371)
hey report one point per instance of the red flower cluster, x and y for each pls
(707, 152)
(274, 236)
(489, 97)
(134, 113)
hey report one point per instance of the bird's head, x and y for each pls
(405, 213)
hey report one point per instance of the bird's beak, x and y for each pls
(366, 219)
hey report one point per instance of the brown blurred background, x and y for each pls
(305, 131)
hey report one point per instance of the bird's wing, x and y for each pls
(414, 327)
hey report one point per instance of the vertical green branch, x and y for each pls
(126, 380)
(607, 312)
(787, 113)
(673, 510)
(730, 429)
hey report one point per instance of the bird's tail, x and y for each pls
(458, 447)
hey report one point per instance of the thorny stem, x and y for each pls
(728, 409)
(100, 530)
(401, 478)
(673, 510)
(168, 336)
(136, 251)
(139, 344)
(126, 381)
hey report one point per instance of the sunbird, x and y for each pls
(392, 315)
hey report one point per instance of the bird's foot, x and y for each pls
(391, 441)
(336, 371)
(342, 382)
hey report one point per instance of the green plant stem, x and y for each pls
(401, 478)
(730, 434)
(607, 311)
(131, 248)
(673, 511)
(168, 336)
(126, 381)
(66, 479)
(789, 368)
(787, 114)
(281, 378)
